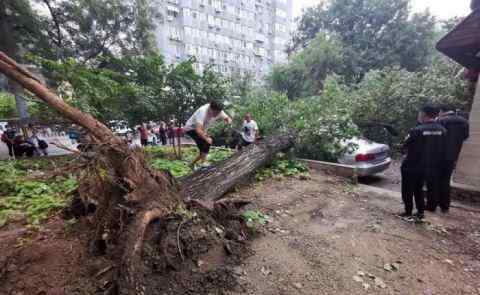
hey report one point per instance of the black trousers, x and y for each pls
(412, 188)
(446, 172)
(10, 149)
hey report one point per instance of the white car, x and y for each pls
(367, 157)
(120, 128)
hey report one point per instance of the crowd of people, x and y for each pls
(432, 149)
(158, 134)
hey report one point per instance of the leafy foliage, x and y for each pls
(395, 95)
(282, 168)
(320, 122)
(374, 33)
(34, 199)
(7, 105)
(255, 219)
(136, 89)
(20, 26)
(81, 29)
(307, 70)
(162, 159)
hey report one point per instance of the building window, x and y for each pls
(280, 28)
(281, 13)
(172, 11)
(211, 20)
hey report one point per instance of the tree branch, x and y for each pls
(57, 23)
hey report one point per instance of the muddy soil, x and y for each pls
(328, 237)
(324, 236)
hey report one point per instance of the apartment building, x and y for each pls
(233, 36)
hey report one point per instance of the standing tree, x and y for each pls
(87, 30)
(307, 70)
(374, 33)
(82, 29)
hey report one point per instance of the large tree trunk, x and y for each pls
(133, 187)
(212, 183)
(132, 198)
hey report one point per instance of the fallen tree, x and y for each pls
(212, 183)
(145, 222)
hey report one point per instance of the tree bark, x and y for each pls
(212, 183)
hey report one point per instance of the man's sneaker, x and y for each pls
(407, 217)
(431, 209)
(419, 216)
(445, 210)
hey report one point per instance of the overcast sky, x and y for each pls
(443, 9)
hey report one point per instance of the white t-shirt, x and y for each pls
(249, 131)
(202, 117)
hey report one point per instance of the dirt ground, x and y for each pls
(324, 236)
(327, 237)
(390, 179)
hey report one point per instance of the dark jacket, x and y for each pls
(425, 148)
(457, 132)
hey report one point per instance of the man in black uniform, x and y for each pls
(424, 147)
(457, 132)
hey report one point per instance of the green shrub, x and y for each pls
(282, 168)
(34, 199)
(255, 219)
(162, 158)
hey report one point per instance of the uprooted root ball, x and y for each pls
(193, 254)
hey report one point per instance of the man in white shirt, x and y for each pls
(196, 127)
(249, 130)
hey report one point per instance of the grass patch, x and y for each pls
(162, 158)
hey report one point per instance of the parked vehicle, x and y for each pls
(120, 128)
(367, 157)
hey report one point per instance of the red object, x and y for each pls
(143, 133)
(364, 157)
(178, 132)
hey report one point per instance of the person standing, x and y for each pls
(196, 127)
(8, 137)
(424, 149)
(249, 131)
(40, 145)
(143, 132)
(171, 132)
(162, 133)
(458, 131)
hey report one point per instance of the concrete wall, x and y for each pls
(468, 168)
(346, 171)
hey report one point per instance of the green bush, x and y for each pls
(395, 95)
(282, 168)
(320, 123)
